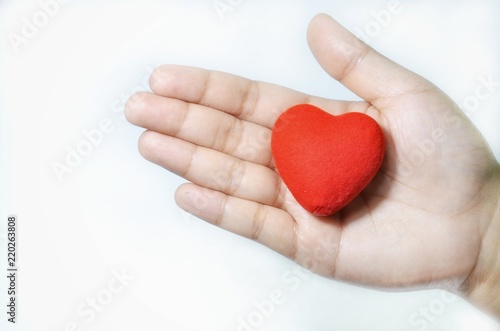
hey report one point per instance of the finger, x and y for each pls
(201, 126)
(256, 102)
(356, 65)
(212, 169)
(267, 225)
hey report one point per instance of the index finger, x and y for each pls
(249, 100)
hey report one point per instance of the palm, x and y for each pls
(415, 223)
(403, 229)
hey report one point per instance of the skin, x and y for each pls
(430, 218)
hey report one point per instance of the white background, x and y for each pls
(115, 212)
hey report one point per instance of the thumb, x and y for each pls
(370, 75)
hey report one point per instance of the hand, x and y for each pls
(424, 218)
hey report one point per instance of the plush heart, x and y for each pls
(325, 160)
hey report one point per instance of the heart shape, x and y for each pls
(325, 160)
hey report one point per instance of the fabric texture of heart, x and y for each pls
(325, 160)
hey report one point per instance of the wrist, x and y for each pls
(483, 283)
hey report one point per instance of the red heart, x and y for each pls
(326, 160)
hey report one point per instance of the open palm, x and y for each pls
(418, 222)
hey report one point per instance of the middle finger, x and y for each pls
(201, 125)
